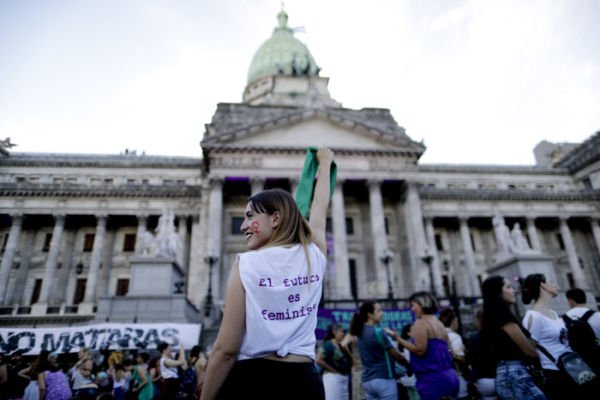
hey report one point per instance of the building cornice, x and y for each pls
(428, 193)
(25, 189)
(492, 169)
(98, 161)
(583, 155)
(230, 149)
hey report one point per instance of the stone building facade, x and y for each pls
(69, 223)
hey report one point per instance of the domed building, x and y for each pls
(70, 224)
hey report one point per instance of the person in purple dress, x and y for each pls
(431, 360)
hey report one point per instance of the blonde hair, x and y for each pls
(293, 228)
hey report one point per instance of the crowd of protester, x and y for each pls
(107, 375)
(507, 358)
(541, 356)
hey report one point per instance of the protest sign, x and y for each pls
(113, 336)
(392, 318)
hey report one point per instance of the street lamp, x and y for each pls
(386, 258)
(208, 304)
(427, 258)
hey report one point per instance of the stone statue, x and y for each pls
(519, 241)
(165, 242)
(503, 239)
(5, 145)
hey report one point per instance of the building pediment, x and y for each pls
(298, 128)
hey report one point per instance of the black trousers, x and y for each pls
(269, 379)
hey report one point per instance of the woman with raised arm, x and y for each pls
(508, 341)
(266, 343)
(431, 360)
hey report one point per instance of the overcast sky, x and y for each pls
(479, 81)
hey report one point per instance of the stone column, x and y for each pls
(435, 262)
(50, 270)
(294, 186)
(9, 255)
(416, 232)
(182, 234)
(340, 244)
(96, 260)
(142, 226)
(214, 231)
(469, 257)
(377, 228)
(257, 185)
(565, 232)
(533, 235)
(596, 231)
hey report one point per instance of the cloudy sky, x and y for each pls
(479, 81)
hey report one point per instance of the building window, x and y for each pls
(72, 180)
(108, 181)
(79, 291)
(145, 181)
(167, 182)
(446, 285)
(57, 180)
(438, 242)
(122, 287)
(4, 241)
(561, 243)
(34, 179)
(349, 226)
(512, 187)
(180, 182)
(88, 242)
(129, 242)
(95, 181)
(587, 184)
(387, 225)
(47, 242)
(353, 281)
(20, 179)
(571, 280)
(37, 288)
(131, 181)
(236, 225)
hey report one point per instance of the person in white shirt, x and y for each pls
(168, 370)
(549, 331)
(577, 302)
(265, 347)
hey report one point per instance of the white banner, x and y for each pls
(112, 336)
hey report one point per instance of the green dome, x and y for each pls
(282, 54)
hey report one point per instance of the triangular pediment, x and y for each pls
(236, 126)
(313, 132)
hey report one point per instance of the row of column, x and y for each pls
(341, 276)
(54, 253)
(467, 247)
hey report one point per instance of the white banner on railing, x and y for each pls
(111, 336)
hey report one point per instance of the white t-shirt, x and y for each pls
(167, 372)
(594, 320)
(282, 298)
(548, 332)
(456, 342)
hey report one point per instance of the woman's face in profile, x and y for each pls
(416, 308)
(508, 292)
(377, 314)
(550, 287)
(258, 228)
